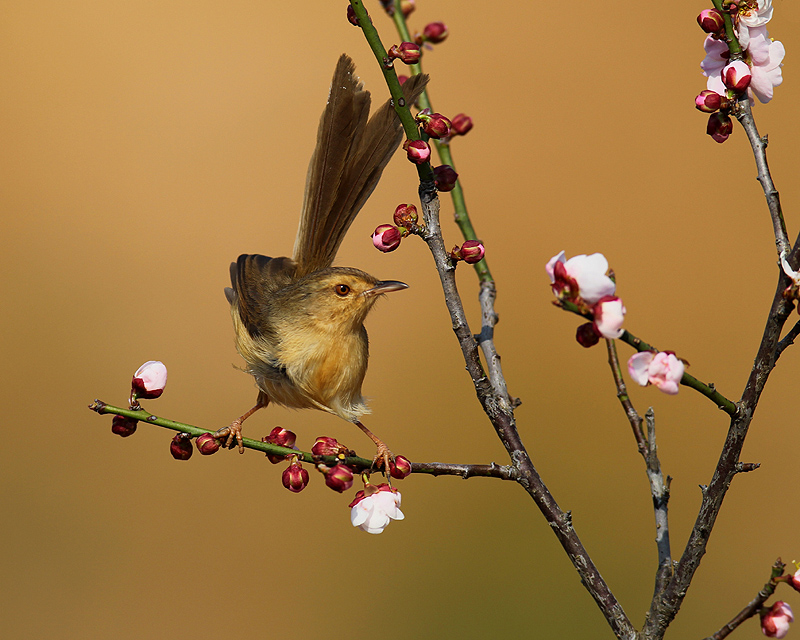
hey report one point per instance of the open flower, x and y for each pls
(375, 507)
(775, 622)
(584, 276)
(766, 60)
(663, 370)
(750, 14)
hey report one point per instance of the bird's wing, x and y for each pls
(346, 165)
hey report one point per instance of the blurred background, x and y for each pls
(144, 145)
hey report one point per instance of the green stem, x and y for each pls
(730, 35)
(143, 416)
(688, 380)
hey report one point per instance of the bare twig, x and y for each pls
(787, 340)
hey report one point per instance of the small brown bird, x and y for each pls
(299, 321)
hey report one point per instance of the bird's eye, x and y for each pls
(342, 290)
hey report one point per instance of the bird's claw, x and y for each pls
(231, 433)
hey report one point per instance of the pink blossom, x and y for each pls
(766, 60)
(588, 273)
(373, 512)
(751, 14)
(717, 56)
(663, 370)
(775, 623)
(149, 380)
(609, 313)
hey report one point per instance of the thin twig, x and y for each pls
(787, 340)
(622, 394)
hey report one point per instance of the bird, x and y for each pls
(299, 321)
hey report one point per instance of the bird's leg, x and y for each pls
(234, 430)
(383, 454)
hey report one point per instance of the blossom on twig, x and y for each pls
(663, 370)
(374, 507)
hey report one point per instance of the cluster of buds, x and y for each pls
(756, 69)
(471, 251)
(585, 282)
(387, 237)
(434, 124)
(407, 52)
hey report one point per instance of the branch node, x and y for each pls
(744, 467)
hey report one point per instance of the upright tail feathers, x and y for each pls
(347, 163)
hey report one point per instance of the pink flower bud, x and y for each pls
(123, 426)
(339, 478)
(294, 477)
(418, 151)
(351, 16)
(207, 444)
(181, 446)
(400, 467)
(435, 32)
(794, 580)
(710, 101)
(326, 446)
(461, 124)
(386, 238)
(719, 127)
(472, 251)
(435, 125)
(736, 76)
(408, 52)
(405, 215)
(408, 7)
(711, 21)
(149, 380)
(445, 177)
(663, 370)
(609, 312)
(775, 622)
(587, 335)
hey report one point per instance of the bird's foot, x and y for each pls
(232, 433)
(383, 458)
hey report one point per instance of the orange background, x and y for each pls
(145, 145)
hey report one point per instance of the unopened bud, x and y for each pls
(408, 52)
(123, 426)
(326, 446)
(207, 444)
(400, 467)
(386, 238)
(736, 76)
(294, 477)
(339, 478)
(587, 335)
(418, 151)
(445, 177)
(719, 127)
(711, 21)
(149, 380)
(471, 251)
(408, 7)
(405, 215)
(282, 438)
(435, 124)
(181, 446)
(435, 32)
(710, 101)
(461, 124)
(351, 16)
(402, 79)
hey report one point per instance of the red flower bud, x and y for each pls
(405, 215)
(326, 446)
(710, 101)
(339, 478)
(445, 177)
(149, 380)
(123, 426)
(351, 16)
(386, 238)
(294, 477)
(408, 52)
(408, 7)
(435, 125)
(400, 467)
(207, 444)
(181, 446)
(435, 32)
(472, 251)
(587, 335)
(282, 438)
(736, 76)
(711, 21)
(402, 79)
(719, 127)
(418, 151)
(461, 124)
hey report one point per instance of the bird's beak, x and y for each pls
(385, 286)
